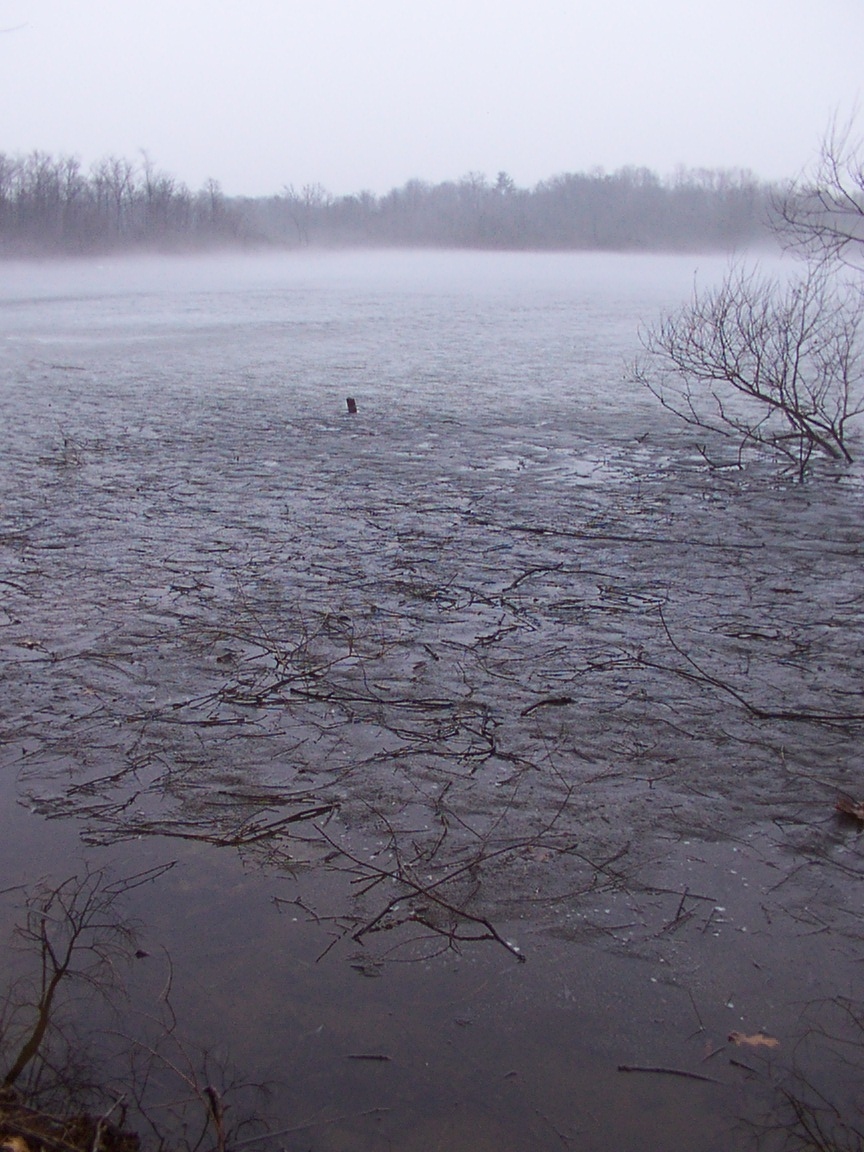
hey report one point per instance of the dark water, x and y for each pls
(182, 481)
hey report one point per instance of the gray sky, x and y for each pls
(361, 94)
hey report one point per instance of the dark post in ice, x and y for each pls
(352, 405)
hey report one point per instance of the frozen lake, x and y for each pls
(497, 669)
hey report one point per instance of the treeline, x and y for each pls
(630, 209)
(50, 205)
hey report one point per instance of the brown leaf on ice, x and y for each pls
(15, 1144)
(850, 807)
(757, 1040)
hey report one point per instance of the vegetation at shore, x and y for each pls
(53, 206)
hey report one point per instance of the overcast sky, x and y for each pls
(366, 94)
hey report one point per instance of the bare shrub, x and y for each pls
(73, 930)
(71, 1085)
(772, 364)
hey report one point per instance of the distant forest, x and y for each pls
(51, 206)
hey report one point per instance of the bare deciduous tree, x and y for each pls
(822, 213)
(777, 363)
(74, 930)
(773, 364)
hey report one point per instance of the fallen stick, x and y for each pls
(668, 1072)
(315, 1123)
(548, 702)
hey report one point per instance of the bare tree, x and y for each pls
(62, 1068)
(75, 931)
(774, 364)
(822, 213)
(305, 207)
(777, 363)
